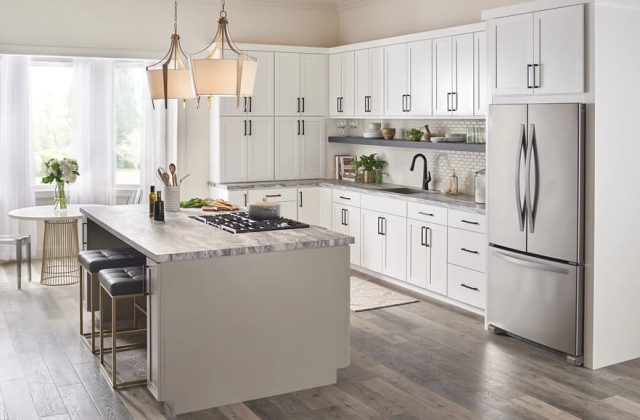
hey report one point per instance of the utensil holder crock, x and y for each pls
(171, 198)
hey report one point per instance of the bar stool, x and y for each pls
(19, 241)
(120, 283)
(93, 261)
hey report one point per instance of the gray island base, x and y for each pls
(233, 318)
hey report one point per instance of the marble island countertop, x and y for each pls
(181, 238)
(462, 202)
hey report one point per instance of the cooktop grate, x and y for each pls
(239, 222)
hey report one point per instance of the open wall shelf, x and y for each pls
(463, 147)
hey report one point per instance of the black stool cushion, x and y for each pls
(100, 259)
(122, 281)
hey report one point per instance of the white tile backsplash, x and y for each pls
(441, 163)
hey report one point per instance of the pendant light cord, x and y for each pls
(175, 16)
(223, 13)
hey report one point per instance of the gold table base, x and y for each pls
(60, 253)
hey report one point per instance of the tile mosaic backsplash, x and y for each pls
(441, 163)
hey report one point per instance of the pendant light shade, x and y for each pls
(221, 69)
(170, 78)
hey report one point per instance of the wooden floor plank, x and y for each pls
(238, 411)
(631, 407)
(79, 404)
(543, 409)
(17, 400)
(104, 398)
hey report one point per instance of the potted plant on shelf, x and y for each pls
(62, 171)
(414, 134)
(370, 165)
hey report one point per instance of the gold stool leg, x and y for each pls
(100, 299)
(113, 341)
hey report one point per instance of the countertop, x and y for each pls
(461, 202)
(182, 238)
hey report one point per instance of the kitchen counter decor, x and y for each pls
(61, 171)
(371, 168)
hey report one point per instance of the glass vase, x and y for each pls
(60, 199)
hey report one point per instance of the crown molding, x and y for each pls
(322, 5)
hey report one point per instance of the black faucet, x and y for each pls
(426, 175)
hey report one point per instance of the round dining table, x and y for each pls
(60, 246)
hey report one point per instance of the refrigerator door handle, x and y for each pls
(521, 149)
(532, 155)
(531, 264)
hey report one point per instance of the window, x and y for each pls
(51, 92)
(129, 79)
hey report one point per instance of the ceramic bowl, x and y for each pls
(388, 133)
(374, 126)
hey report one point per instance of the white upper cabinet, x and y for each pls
(453, 75)
(558, 50)
(300, 84)
(299, 148)
(341, 84)
(369, 82)
(261, 103)
(539, 53)
(408, 79)
(480, 98)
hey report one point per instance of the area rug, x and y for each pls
(366, 296)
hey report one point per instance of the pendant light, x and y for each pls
(221, 69)
(170, 78)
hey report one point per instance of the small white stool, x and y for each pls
(19, 241)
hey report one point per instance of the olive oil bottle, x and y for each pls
(152, 200)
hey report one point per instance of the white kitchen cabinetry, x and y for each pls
(238, 197)
(341, 84)
(287, 197)
(309, 205)
(539, 53)
(325, 210)
(369, 82)
(480, 98)
(346, 220)
(300, 84)
(384, 243)
(453, 75)
(244, 147)
(427, 255)
(261, 102)
(299, 148)
(408, 79)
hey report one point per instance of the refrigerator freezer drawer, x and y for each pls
(536, 299)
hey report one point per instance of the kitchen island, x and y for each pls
(234, 317)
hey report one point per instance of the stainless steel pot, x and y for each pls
(264, 209)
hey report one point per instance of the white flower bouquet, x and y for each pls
(60, 171)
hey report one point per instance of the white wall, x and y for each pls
(133, 28)
(616, 293)
(374, 19)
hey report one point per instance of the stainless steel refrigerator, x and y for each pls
(535, 281)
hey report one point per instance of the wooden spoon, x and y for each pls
(166, 178)
(174, 177)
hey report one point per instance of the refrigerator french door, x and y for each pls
(536, 223)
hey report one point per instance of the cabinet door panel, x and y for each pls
(348, 83)
(287, 83)
(261, 103)
(313, 88)
(395, 79)
(289, 210)
(395, 252)
(513, 37)
(418, 260)
(335, 84)
(363, 82)
(260, 145)
(559, 50)
(325, 210)
(376, 81)
(442, 75)
(312, 157)
(463, 74)
(480, 98)
(309, 205)
(287, 148)
(233, 150)
(437, 240)
(372, 241)
(419, 77)
(353, 229)
(337, 219)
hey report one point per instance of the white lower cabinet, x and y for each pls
(467, 286)
(346, 220)
(384, 243)
(324, 207)
(285, 196)
(427, 255)
(309, 205)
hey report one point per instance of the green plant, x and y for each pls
(414, 134)
(369, 162)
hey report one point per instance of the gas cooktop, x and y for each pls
(239, 222)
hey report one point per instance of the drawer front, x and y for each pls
(384, 205)
(468, 249)
(276, 195)
(468, 221)
(350, 198)
(427, 213)
(466, 286)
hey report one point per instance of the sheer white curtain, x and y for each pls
(93, 137)
(16, 188)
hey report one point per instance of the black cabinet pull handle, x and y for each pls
(427, 237)
(250, 103)
(245, 200)
(345, 198)
(273, 195)
(298, 127)
(469, 222)
(303, 127)
(529, 67)
(298, 109)
(425, 214)
(147, 278)
(245, 128)
(245, 104)
(422, 236)
(250, 128)
(536, 76)
(338, 104)
(346, 217)
(470, 251)
(408, 103)
(379, 228)
(469, 287)
(300, 198)
(303, 104)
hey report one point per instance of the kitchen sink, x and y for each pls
(403, 190)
